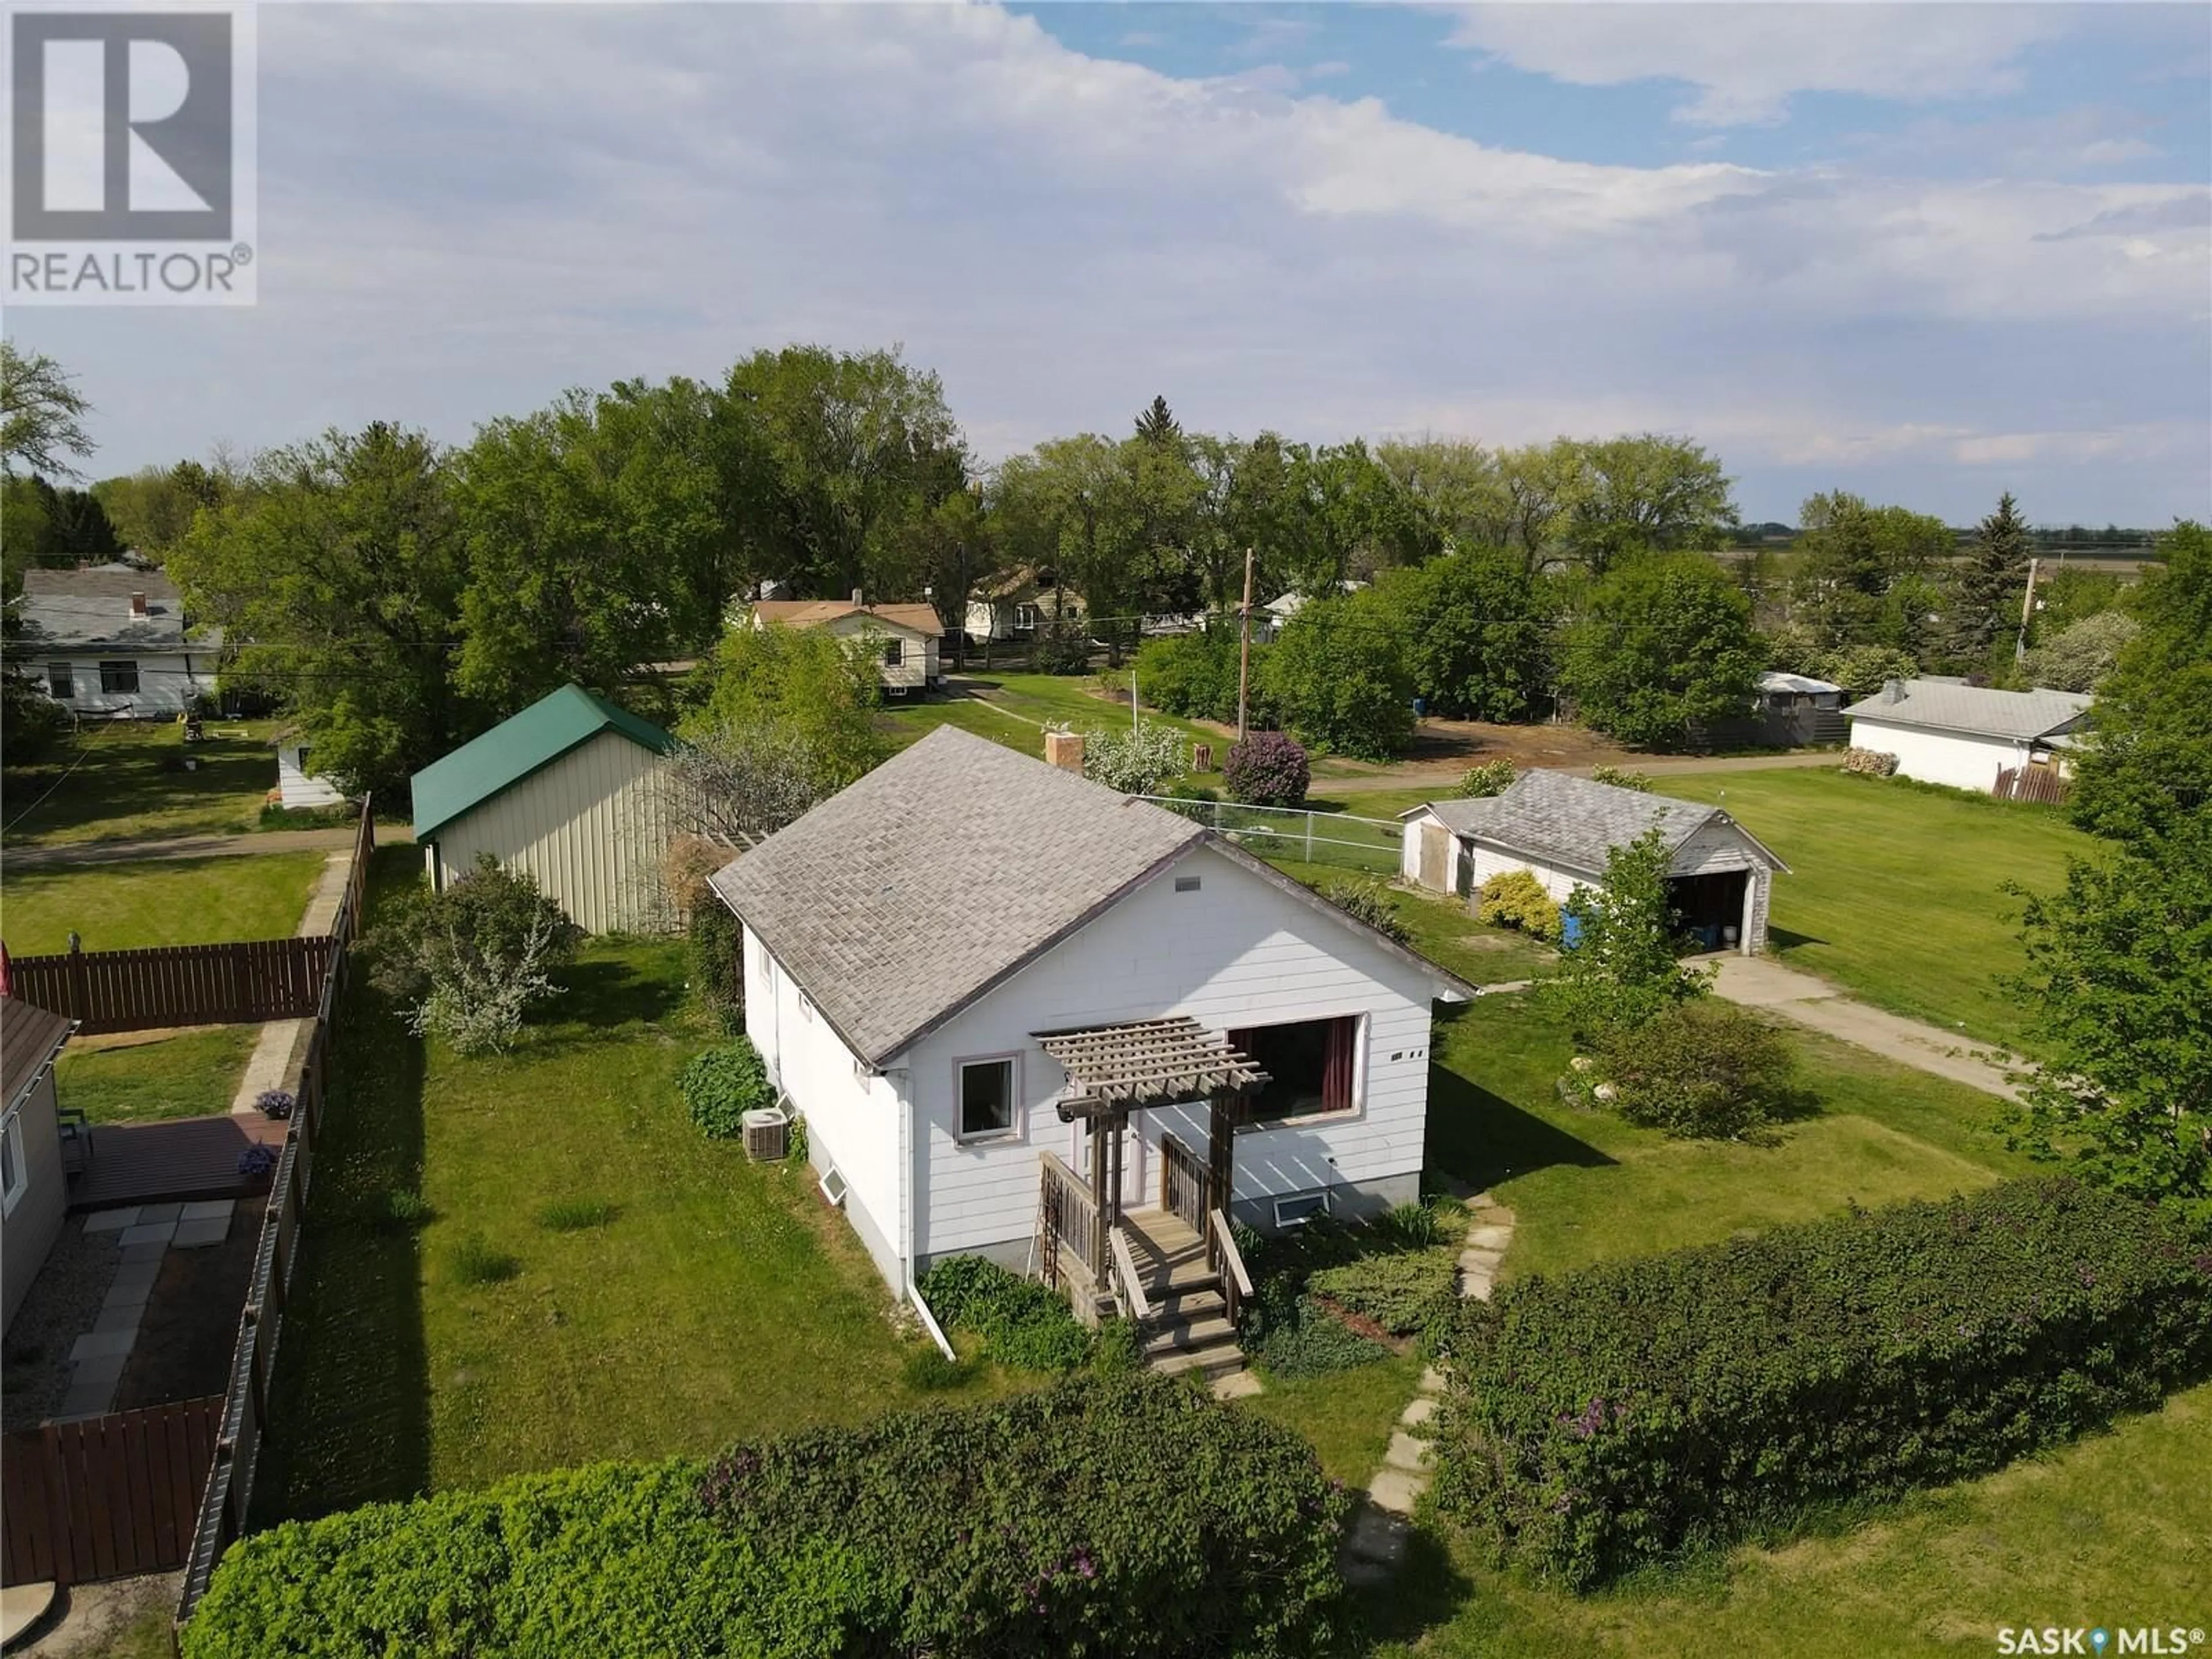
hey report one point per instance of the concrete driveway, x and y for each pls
(1761, 982)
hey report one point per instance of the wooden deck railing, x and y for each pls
(1226, 1259)
(1184, 1183)
(1065, 1218)
(1129, 1282)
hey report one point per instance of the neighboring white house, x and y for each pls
(111, 641)
(920, 949)
(1559, 827)
(1945, 731)
(905, 635)
(1278, 613)
(298, 788)
(33, 1191)
(1016, 605)
(575, 791)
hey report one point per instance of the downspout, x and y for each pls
(904, 1097)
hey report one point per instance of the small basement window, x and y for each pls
(986, 1097)
(61, 680)
(1310, 1066)
(833, 1185)
(119, 678)
(1297, 1211)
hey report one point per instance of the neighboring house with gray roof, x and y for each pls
(1560, 828)
(573, 790)
(1945, 731)
(908, 942)
(111, 641)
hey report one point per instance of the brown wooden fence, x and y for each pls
(2040, 783)
(105, 1496)
(245, 1417)
(245, 982)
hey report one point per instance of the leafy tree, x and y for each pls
(800, 698)
(951, 549)
(1193, 675)
(1861, 670)
(2147, 756)
(2119, 974)
(1137, 760)
(41, 416)
(1645, 493)
(1663, 642)
(1987, 589)
(473, 958)
(1861, 575)
(31, 722)
(152, 509)
(1541, 484)
(1458, 485)
(1357, 520)
(597, 542)
(1621, 973)
(52, 529)
(823, 453)
(341, 564)
(2082, 655)
(1702, 1068)
(1477, 633)
(1338, 681)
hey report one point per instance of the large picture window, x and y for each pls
(986, 1097)
(119, 678)
(1310, 1067)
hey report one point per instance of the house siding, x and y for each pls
(28, 1233)
(852, 1115)
(1960, 759)
(168, 682)
(1235, 953)
(591, 827)
(917, 669)
(296, 786)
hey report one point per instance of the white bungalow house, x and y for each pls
(1146, 1032)
(1017, 604)
(110, 641)
(1944, 730)
(906, 637)
(1559, 827)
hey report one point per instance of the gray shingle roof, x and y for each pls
(1981, 710)
(1573, 823)
(91, 607)
(899, 901)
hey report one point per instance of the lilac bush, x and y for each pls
(1269, 769)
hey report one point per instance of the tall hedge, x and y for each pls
(1621, 1414)
(1132, 1515)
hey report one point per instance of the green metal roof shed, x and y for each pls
(515, 748)
(573, 790)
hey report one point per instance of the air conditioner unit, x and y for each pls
(768, 1134)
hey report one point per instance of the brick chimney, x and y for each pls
(1065, 751)
(138, 607)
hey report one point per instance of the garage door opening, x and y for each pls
(1711, 907)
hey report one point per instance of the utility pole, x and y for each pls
(2026, 611)
(1244, 647)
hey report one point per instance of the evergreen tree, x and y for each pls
(1986, 594)
(1157, 424)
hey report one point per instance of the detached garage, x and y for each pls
(1560, 828)
(573, 790)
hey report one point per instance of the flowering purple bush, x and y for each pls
(274, 1103)
(257, 1160)
(1269, 769)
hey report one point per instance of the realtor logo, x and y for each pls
(130, 163)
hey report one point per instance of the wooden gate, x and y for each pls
(106, 1496)
(2040, 783)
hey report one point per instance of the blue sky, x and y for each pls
(1924, 254)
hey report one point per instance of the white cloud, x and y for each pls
(446, 237)
(1746, 61)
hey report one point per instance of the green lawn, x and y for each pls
(1895, 891)
(188, 1073)
(2114, 1530)
(906, 723)
(121, 782)
(721, 1299)
(1442, 930)
(123, 907)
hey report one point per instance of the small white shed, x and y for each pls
(1559, 827)
(573, 790)
(1950, 732)
(298, 788)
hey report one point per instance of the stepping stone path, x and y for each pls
(148, 1232)
(1375, 1547)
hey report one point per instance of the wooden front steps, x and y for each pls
(1189, 1328)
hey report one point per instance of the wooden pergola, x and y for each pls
(1115, 1070)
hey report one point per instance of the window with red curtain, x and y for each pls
(1310, 1066)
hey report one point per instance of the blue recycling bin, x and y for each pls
(1571, 930)
(1420, 708)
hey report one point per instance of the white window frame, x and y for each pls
(11, 1195)
(894, 654)
(1016, 1123)
(1363, 1024)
